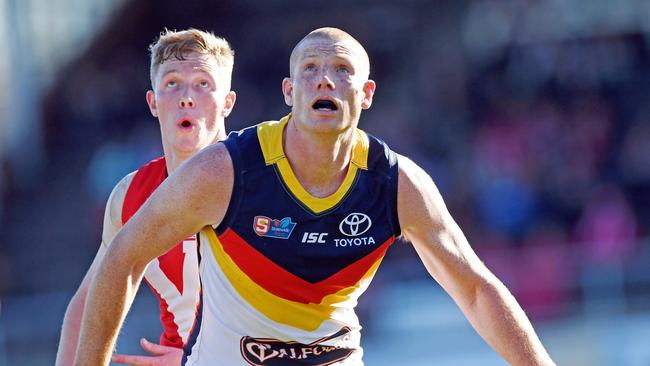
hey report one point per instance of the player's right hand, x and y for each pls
(161, 356)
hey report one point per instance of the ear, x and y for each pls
(287, 91)
(151, 101)
(231, 97)
(368, 91)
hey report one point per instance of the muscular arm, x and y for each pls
(445, 252)
(196, 195)
(72, 319)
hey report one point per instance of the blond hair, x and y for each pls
(178, 44)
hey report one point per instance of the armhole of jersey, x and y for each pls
(198, 248)
(142, 184)
(383, 161)
(127, 192)
(392, 192)
(119, 192)
(237, 186)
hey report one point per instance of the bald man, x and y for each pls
(294, 217)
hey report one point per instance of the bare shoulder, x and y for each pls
(411, 176)
(116, 199)
(213, 160)
(211, 169)
(204, 183)
(113, 212)
(418, 199)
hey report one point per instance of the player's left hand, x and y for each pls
(162, 356)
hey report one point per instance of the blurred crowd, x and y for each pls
(553, 185)
(539, 148)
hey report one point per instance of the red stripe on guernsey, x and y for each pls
(171, 263)
(285, 284)
(170, 336)
(144, 183)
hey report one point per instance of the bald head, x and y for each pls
(332, 37)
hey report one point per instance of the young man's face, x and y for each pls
(191, 98)
(329, 86)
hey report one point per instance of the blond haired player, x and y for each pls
(190, 78)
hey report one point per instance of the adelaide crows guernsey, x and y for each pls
(282, 273)
(174, 276)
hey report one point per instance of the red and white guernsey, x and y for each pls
(173, 276)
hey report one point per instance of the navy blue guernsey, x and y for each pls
(279, 245)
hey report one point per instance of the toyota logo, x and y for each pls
(355, 224)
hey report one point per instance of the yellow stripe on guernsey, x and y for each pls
(270, 137)
(308, 317)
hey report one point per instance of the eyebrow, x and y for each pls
(170, 71)
(194, 69)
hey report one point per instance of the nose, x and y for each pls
(186, 102)
(326, 82)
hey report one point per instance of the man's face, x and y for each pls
(329, 85)
(191, 98)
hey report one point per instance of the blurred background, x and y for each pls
(533, 118)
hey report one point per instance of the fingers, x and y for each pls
(162, 356)
(155, 349)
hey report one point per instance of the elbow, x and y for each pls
(121, 262)
(123, 254)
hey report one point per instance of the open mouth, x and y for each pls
(185, 123)
(324, 105)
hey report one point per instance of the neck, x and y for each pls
(319, 161)
(174, 158)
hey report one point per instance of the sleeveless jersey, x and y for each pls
(282, 273)
(173, 276)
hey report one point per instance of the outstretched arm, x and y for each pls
(196, 195)
(445, 252)
(72, 319)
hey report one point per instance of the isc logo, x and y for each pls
(311, 238)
